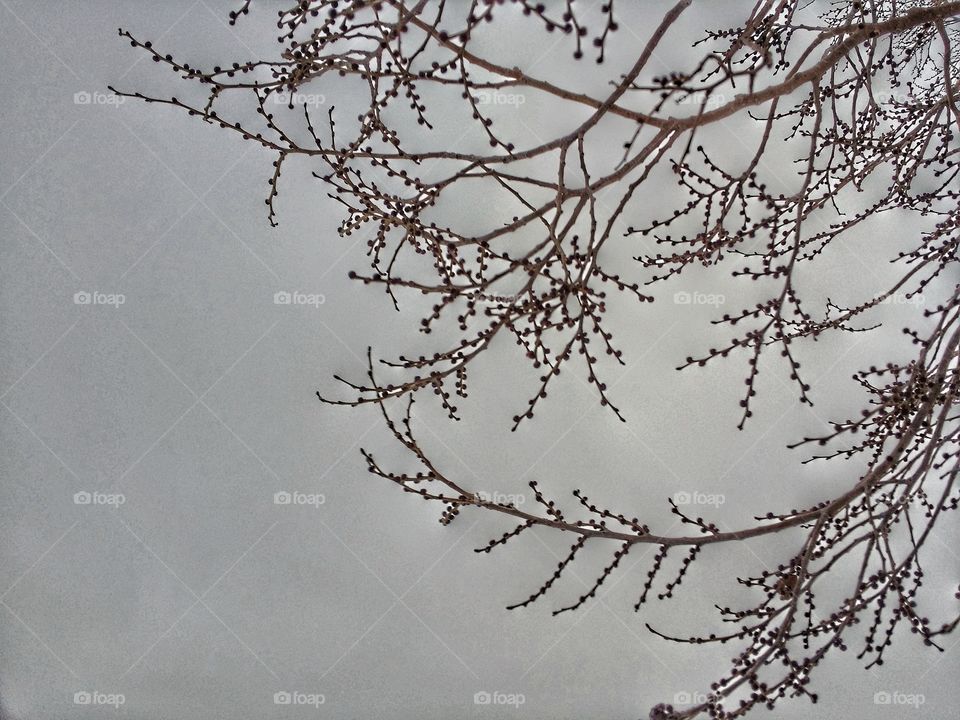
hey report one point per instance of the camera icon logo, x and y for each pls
(481, 698)
(82, 298)
(682, 298)
(881, 698)
(282, 498)
(282, 698)
(682, 498)
(82, 697)
(82, 498)
(81, 98)
(282, 298)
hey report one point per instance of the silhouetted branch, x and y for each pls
(864, 98)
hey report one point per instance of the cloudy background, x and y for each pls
(154, 398)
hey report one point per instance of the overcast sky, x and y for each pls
(156, 399)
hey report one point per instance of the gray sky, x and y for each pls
(147, 367)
